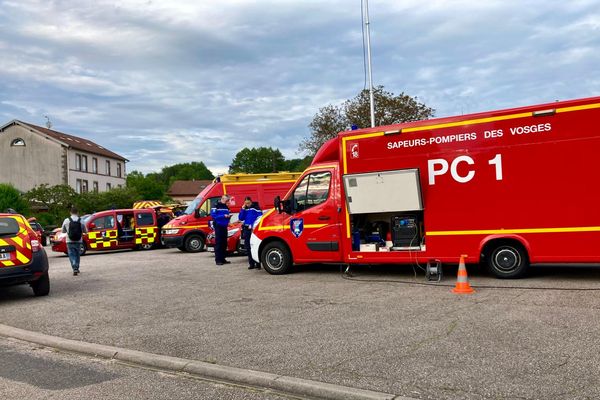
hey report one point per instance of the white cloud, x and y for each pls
(166, 82)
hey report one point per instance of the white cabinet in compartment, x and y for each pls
(387, 191)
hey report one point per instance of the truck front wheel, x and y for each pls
(276, 258)
(507, 260)
(194, 243)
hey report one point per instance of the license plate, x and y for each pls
(4, 256)
(211, 249)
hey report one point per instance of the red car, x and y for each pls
(38, 229)
(235, 243)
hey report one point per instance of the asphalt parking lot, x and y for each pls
(380, 330)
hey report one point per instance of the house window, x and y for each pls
(95, 165)
(108, 187)
(119, 173)
(78, 186)
(95, 186)
(78, 162)
(84, 186)
(107, 168)
(17, 142)
(84, 163)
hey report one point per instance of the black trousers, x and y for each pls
(220, 243)
(246, 233)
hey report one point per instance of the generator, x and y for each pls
(405, 232)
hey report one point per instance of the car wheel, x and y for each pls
(41, 287)
(276, 258)
(82, 249)
(507, 260)
(145, 246)
(194, 244)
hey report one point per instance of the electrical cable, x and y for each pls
(405, 282)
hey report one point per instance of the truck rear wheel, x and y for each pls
(276, 258)
(507, 260)
(194, 244)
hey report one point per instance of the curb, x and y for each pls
(286, 384)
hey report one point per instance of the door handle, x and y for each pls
(324, 218)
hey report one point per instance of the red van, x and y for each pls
(115, 230)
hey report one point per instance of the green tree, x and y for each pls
(10, 197)
(113, 199)
(297, 164)
(147, 187)
(389, 109)
(183, 171)
(56, 199)
(257, 160)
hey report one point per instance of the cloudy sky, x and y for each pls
(163, 82)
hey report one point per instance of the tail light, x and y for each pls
(35, 245)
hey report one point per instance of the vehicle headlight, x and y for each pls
(170, 231)
(255, 224)
(232, 232)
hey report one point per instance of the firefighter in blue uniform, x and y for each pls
(221, 216)
(249, 213)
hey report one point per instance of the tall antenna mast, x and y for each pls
(369, 68)
(48, 122)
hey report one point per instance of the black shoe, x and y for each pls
(257, 266)
(76, 272)
(219, 263)
(226, 262)
(251, 267)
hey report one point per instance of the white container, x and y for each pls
(368, 247)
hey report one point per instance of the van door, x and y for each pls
(146, 229)
(103, 233)
(315, 223)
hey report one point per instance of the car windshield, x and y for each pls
(193, 205)
(8, 226)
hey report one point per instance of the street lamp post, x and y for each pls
(369, 69)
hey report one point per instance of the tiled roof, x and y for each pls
(187, 188)
(75, 142)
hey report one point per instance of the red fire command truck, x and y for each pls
(189, 231)
(507, 188)
(114, 230)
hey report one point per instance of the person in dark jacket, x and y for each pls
(249, 213)
(221, 216)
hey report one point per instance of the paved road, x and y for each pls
(375, 332)
(33, 372)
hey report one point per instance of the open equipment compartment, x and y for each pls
(386, 210)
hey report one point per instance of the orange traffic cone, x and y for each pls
(462, 280)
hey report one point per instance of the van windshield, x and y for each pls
(193, 205)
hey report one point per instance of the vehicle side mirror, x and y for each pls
(92, 225)
(197, 213)
(277, 204)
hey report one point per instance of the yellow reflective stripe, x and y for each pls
(461, 123)
(578, 108)
(7, 263)
(18, 241)
(22, 258)
(3, 243)
(515, 231)
(282, 227)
